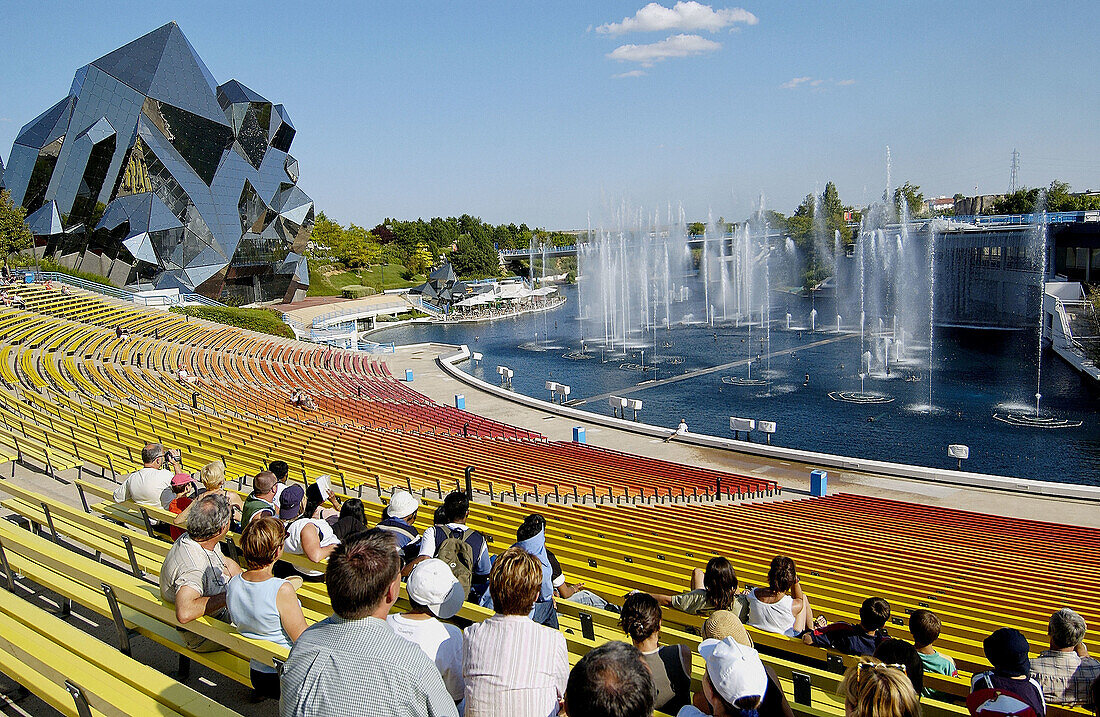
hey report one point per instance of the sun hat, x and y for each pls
(734, 670)
(723, 624)
(180, 479)
(402, 504)
(290, 501)
(432, 584)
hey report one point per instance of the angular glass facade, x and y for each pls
(151, 174)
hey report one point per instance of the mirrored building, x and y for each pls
(152, 174)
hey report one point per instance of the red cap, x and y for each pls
(181, 479)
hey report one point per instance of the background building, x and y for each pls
(151, 174)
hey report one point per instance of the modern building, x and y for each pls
(150, 173)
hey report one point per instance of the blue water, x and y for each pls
(976, 373)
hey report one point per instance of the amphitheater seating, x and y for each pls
(79, 397)
(364, 428)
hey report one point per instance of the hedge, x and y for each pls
(266, 321)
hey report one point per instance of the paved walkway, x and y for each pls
(793, 476)
(704, 371)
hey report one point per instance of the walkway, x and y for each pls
(704, 371)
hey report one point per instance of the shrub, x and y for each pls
(357, 291)
(265, 321)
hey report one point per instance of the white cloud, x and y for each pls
(683, 16)
(816, 84)
(795, 82)
(631, 73)
(675, 46)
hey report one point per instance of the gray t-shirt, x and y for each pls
(695, 602)
(190, 564)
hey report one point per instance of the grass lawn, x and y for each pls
(389, 275)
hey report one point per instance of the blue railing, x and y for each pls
(1015, 219)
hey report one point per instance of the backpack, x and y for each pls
(456, 550)
(411, 549)
(990, 701)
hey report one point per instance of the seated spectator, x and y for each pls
(311, 537)
(398, 518)
(781, 607)
(434, 593)
(1065, 672)
(282, 473)
(670, 665)
(212, 476)
(861, 639)
(261, 501)
(182, 487)
(900, 652)
(1006, 649)
(352, 663)
(512, 665)
(925, 626)
(352, 520)
(736, 684)
(315, 504)
(469, 564)
(184, 377)
(872, 689)
(610, 681)
(195, 572)
(151, 485)
(531, 536)
(712, 589)
(724, 623)
(263, 606)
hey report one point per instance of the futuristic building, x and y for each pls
(151, 174)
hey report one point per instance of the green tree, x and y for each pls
(696, 229)
(1022, 201)
(913, 198)
(15, 235)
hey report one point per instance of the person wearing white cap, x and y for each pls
(434, 593)
(735, 680)
(398, 519)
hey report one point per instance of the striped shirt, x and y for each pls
(1066, 678)
(360, 667)
(513, 666)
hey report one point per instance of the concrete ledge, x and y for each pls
(967, 479)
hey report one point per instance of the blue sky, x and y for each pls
(520, 111)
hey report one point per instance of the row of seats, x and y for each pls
(55, 365)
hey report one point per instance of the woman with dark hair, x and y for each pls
(353, 519)
(900, 652)
(714, 588)
(315, 505)
(670, 665)
(781, 607)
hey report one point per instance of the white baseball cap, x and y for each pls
(432, 584)
(402, 504)
(735, 670)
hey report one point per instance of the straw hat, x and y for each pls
(723, 624)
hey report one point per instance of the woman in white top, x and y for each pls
(781, 607)
(263, 606)
(311, 537)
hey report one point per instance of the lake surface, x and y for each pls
(976, 373)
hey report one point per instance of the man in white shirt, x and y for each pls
(151, 485)
(434, 592)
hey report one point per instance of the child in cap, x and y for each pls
(1007, 688)
(734, 684)
(182, 487)
(925, 626)
(434, 593)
